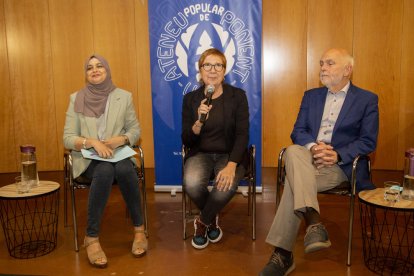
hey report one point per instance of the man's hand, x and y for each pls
(324, 155)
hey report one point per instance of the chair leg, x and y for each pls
(279, 179)
(141, 180)
(75, 224)
(66, 186)
(253, 211)
(249, 199)
(144, 201)
(351, 225)
(65, 201)
(184, 213)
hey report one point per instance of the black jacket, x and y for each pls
(236, 122)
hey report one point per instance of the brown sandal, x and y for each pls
(98, 258)
(140, 245)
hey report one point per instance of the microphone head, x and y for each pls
(210, 90)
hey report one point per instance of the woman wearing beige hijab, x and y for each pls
(102, 116)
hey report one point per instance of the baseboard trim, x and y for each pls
(178, 189)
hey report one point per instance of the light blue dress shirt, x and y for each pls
(333, 105)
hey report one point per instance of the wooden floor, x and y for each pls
(169, 254)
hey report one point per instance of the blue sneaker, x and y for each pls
(214, 232)
(200, 240)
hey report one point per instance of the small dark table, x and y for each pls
(387, 233)
(30, 220)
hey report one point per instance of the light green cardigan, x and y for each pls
(121, 120)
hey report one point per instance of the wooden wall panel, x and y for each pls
(377, 51)
(144, 80)
(28, 43)
(114, 38)
(406, 107)
(330, 25)
(72, 43)
(284, 72)
(9, 150)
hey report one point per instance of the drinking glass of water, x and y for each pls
(392, 191)
(22, 184)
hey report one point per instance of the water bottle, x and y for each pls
(408, 186)
(29, 165)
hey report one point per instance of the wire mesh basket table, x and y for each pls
(30, 220)
(387, 233)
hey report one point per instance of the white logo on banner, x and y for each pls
(182, 43)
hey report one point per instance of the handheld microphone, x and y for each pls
(209, 94)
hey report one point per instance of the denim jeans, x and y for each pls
(103, 175)
(197, 172)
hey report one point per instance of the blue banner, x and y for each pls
(180, 31)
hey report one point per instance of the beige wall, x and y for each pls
(43, 45)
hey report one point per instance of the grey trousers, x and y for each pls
(302, 184)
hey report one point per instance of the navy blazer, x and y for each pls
(355, 132)
(236, 122)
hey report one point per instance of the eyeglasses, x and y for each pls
(208, 66)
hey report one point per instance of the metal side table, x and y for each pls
(387, 233)
(30, 220)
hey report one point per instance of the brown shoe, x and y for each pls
(278, 265)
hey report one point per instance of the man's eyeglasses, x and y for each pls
(218, 67)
